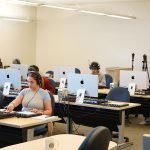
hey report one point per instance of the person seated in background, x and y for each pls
(16, 61)
(1, 64)
(95, 70)
(45, 81)
(34, 98)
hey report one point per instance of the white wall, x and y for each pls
(70, 38)
(17, 39)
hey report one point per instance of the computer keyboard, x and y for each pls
(94, 101)
(142, 92)
(24, 84)
(22, 114)
(115, 104)
(27, 114)
(14, 92)
(4, 114)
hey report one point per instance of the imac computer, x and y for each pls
(140, 79)
(88, 82)
(10, 75)
(61, 72)
(22, 68)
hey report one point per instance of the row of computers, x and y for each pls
(74, 81)
(17, 73)
(88, 82)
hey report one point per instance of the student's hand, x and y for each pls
(9, 108)
(34, 110)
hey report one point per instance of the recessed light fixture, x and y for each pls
(58, 7)
(21, 2)
(108, 15)
(91, 12)
(15, 19)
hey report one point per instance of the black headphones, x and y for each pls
(33, 68)
(37, 77)
(94, 64)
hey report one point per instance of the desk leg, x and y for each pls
(69, 125)
(30, 134)
(121, 142)
(121, 128)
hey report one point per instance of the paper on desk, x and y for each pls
(26, 112)
(46, 117)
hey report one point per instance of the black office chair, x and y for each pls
(97, 139)
(43, 129)
(120, 94)
(53, 83)
(52, 103)
(108, 79)
(1, 98)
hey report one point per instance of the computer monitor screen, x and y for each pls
(61, 72)
(10, 75)
(88, 82)
(22, 68)
(140, 78)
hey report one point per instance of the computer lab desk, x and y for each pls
(62, 142)
(16, 130)
(94, 115)
(144, 100)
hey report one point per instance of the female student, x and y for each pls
(34, 98)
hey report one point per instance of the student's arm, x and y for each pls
(47, 108)
(14, 103)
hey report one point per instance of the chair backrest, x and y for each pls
(52, 103)
(108, 79)
(53, 83)
(118, 94)
(1, 98)
(97, 139)
(146, 141)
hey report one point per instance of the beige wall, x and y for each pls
(71, 39)
(17, 39)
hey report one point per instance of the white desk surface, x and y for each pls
(26, 122)
(131, 105)
(64, 141)
(106, 91)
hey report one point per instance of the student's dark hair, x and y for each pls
(33, 68)
(94, 64)
(36, 76)
(16, 61)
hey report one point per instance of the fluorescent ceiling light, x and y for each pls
(15, 19)
(90, 12)
(121, 16)
(109, 15)
(58, 7)
(21, 2)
